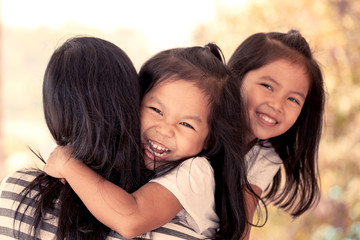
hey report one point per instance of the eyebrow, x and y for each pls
(278, 84)
(191, 117)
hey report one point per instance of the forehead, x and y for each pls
(284, 73)
(179, 90)
(180, 99)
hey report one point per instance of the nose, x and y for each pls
(275, 104)
(165, 129)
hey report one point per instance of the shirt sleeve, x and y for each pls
(193, 184)
(263, 163)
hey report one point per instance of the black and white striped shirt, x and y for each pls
(13, 184)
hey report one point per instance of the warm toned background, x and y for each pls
(31, 30)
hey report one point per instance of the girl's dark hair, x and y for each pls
(298, 147)
(91, 102)
(225, 144)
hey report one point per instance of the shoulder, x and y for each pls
(263, 152)
(195, 173)
(13, 184)
(10, 195)
(18, 180)
(262, 165)
(25, 174)
(193, 184)
(197, 165)
(267, 151)
(198, 174)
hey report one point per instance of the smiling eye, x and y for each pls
(156, 110)
(266, 86)
(187, 125)
(294, 100)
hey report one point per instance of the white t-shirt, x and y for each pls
(263, 163)
(193, 184)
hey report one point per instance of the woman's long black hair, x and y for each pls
(298, 147)
(91, 102)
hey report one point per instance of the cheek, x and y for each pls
(293, 117)
(251, 97)
(145, 117)
(250, 106)
(198, 147)
(193, 145)
(142, 116)
(143, 123)
(205, 141)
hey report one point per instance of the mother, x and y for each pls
(90, 104)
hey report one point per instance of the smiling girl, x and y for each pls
(275, 94)
(282, 85)
(169, 103)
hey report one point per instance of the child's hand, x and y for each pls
(57, 161)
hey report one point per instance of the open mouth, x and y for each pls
(156, 149)
(267, 119)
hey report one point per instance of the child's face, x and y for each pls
(174, 121)
(275, 94)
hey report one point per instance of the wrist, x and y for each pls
(69, 165)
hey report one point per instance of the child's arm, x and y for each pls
(129, 214)
(251, 203)
(263, 163)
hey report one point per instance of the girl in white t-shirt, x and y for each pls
(191, 139)
(282, 85)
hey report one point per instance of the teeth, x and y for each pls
(157, 147)
(155, 153)
(267, 119)
(153, 146)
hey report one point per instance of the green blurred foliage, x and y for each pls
(333, 30)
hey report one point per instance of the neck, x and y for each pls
(251, 143)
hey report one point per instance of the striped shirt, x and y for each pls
(13, 184)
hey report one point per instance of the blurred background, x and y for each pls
(31, 30)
